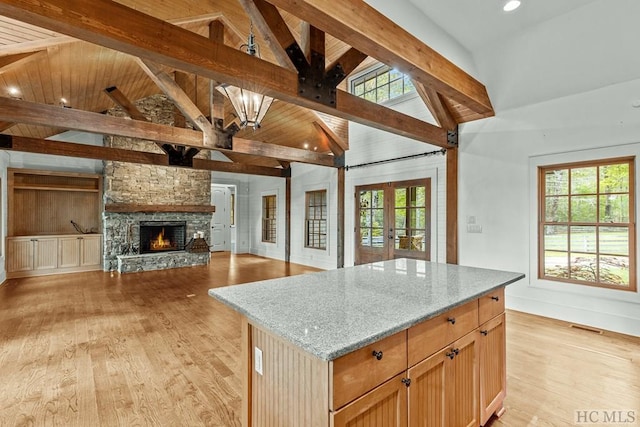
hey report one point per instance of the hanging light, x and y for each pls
(250, 107)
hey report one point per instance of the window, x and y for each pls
(586, 223)
(232, 220)
(381, 84)
(316, 219)
(269, 219)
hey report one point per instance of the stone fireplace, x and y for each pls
(169, 203)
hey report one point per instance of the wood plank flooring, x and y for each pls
(92, 349)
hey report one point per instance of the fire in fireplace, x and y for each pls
(162, 236)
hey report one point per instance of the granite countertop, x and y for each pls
(332, 313)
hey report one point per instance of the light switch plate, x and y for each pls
(257, 360)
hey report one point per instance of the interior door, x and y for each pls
(220, 219)
(393, 221)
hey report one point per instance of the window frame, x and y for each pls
(630, 225)
(269, 231)
(324, 216)
(375, 72)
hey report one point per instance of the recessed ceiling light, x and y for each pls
(63, 100)
(305, 145)
(14, 91)
(511, 5)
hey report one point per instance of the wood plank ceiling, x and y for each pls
(46, 67)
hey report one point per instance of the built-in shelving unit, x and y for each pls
(45, 202)
(42, 209)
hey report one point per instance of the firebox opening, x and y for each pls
(162, 236)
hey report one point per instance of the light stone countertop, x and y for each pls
(332, 313)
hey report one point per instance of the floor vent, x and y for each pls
(587, 328)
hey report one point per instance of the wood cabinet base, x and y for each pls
(460, 385)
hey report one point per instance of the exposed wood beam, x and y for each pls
(12, 61)
(121, 100)
(287, 219)
(12, 110)
(438, 109)
(347, 63)
(216, 99)
(69, 149)
(143, 36)
(5, 125)
(340, 218)
(34, 45)
(281, 152)
(181, 79)
(452, 205)
(272, 27)
(336, 144)
(186, 106)
(376, 35)
(19, 111)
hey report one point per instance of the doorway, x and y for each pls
(221, 198)
(393, 220)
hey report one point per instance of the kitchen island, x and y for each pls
(395, 343)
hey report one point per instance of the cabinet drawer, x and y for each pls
(431, 335)
(491, 305)
(356, 373)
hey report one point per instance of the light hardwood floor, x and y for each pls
(92, 349)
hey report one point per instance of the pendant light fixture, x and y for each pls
(250, 107)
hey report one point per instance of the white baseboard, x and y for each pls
(606, 321)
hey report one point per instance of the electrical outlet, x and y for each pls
(257, 360)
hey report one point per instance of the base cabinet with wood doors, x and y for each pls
(448, 371)
(41, 255)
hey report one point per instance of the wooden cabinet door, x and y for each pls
(91, 251)
(462, 392)
(19, 255)
(45, 255)
(493, 376)
(68, 252)
(427, 393)
(384, 406)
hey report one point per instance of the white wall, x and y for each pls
(4, 163)
(312, 178)
(260, 186)
(61, 163)
(497, 161)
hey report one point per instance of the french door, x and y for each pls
(393, 220)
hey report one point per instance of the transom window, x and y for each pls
(587, 223)
(316, 219)
(381, 84)
(269, 219)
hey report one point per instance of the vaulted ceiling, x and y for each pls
(47, 67)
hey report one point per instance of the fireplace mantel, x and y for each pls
(124, 207)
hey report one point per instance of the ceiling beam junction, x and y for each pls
(133, 32)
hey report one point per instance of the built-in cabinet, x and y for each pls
(53, 222)
(39, 255)
(448, 371)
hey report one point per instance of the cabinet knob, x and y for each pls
(406, 381)
(451, 320)
(451, 354)
(495, 298)
(485, 332)
(456, 351)
(377, 354)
